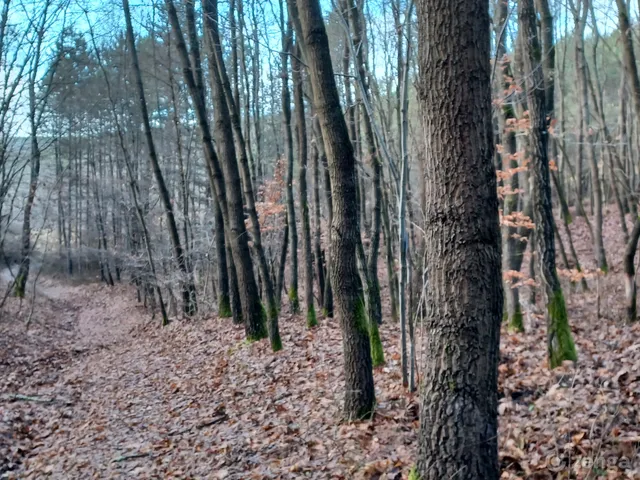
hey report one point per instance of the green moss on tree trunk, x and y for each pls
(256, 337)
(276, 345)
(361, 316)
(261, 331)
(224, 307)
(516, 322)
(312, 320)
(274, 332)
(369, 327)
(413, 474)
(293, 298)
(560, 340)
(377, 353)
(19, 288)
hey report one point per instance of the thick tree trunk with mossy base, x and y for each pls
(459, 398)
(252, 311)
(225, 182)
(347, 289)
(301, 135)
(560, 344)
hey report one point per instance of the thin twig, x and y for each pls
(14, 397)
(124, 458)
(201, 425)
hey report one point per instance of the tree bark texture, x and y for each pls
(458, 424)
(347, 289)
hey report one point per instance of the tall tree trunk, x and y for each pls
(580, 16)
(246, 93)
(548, 56)
(566, 220)
(34, 116)
(559, 339)
(256, 76)
(183, 172)
(403, 199)
(511, 260)
(388, 244)
(625, 154)
(34, 165)
(288, 153)
(373, 288)
(301, 131)
(228, 190)
(631, 72)
(317, 221)
(105, 270)
(327, 306)
(347, 289)
(134, 187)
(459, 399)
(610, 152)
(235, 78)
(283, 262)
(548, 67)
(189, 302)
(229, 110)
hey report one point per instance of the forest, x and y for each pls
(341, 239)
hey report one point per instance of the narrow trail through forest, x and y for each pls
(99, 391)
(96, 389)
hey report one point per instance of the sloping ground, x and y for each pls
(106, 393)
(194, 400)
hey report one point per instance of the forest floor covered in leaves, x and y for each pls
(95, 389)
